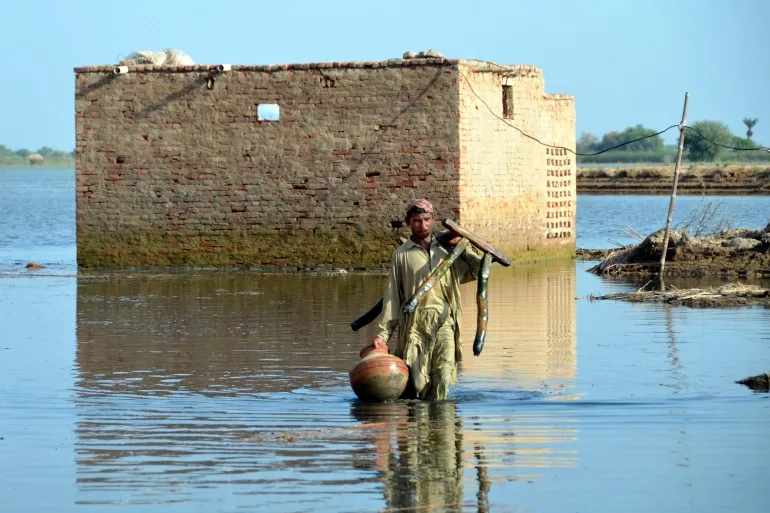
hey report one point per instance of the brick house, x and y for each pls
(308, 164)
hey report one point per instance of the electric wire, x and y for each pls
(762, 148)
(685, 127)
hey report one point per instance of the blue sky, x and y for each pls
(626, 62)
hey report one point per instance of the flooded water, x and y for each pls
(228, 391)
(37, 218)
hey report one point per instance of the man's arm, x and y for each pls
(391, 302)
(468, 265)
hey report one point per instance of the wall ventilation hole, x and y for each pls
(328, 81)
(508, 102)
(268, 112)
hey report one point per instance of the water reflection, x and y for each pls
(238, 382)
(218, 333)
(419, 453)
(451, 456)
(532, 328)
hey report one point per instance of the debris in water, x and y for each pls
(592, 254)
(734, 294)
(760, 383)
(33, 266)
(741, 252)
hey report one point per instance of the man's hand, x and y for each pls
(455, 238)
(380, 343)
(453, 242)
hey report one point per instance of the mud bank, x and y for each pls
(741, 253)
(760, 383)
(592, 254)
(724, 179)
(726, 296)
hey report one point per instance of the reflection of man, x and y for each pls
(429, 339)
(419, 453)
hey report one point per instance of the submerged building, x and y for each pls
(308, 164)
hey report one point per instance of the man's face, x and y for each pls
(421, 225)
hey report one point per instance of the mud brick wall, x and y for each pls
(175, 168)
(510, 184)
(560, 171)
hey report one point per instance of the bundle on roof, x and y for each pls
(167, 57)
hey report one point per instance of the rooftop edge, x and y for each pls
(475, 65)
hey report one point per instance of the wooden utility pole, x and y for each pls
(682, 128)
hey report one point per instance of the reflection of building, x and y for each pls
(532, 327)
(177, 376)
(214, 332)
(187, 383)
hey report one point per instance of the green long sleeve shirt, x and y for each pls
(410, 265)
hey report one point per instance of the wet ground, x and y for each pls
(223, 391)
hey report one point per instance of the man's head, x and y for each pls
(419, 217)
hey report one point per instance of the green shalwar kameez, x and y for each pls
(428, 340)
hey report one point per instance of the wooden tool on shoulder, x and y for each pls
(491, 254)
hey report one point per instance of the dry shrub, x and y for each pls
(648, 174)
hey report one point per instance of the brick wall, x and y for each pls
(561, 169)
(173, 169)
(506, 186)
(174, 166)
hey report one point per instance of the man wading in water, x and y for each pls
(428, 340)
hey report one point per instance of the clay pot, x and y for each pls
(379, 377)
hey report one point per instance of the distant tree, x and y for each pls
(51, 153)
(587, 143)
(651, 142)
(743, 143)
(23, 153)
(749, 122)
(698, 148)
(45, 151)
(5, 151)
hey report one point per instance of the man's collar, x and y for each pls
(410, 243)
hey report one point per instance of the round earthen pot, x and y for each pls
(379, 376)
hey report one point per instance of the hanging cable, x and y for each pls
(607, 149)
(763, 148)
(552, 145)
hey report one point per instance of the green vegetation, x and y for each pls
(749, 122)
(701, 150)
(589, 143)
(652, 150)
(21, 157)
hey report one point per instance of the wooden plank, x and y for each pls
(477, 241)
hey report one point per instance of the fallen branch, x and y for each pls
(637, 237)
(634, 231)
